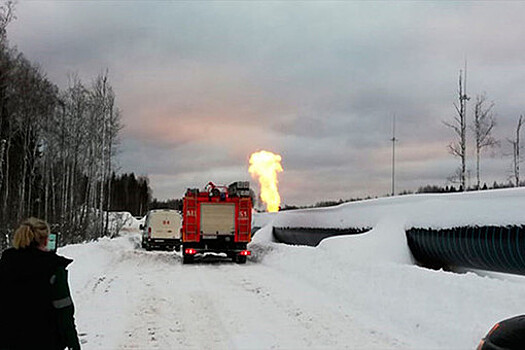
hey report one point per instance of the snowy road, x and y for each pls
(149, 300)
(353, 292)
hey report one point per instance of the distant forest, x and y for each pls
(420, 190)
(130, 194)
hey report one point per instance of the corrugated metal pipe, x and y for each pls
(494, 248)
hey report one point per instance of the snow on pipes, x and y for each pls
(264, 166)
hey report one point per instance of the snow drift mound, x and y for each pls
(495, 207)
(392, 217)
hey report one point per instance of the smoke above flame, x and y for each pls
(264, 166)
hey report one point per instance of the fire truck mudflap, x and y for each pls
(217, 219)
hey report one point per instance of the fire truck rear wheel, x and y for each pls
(240, 259)
(187, 259)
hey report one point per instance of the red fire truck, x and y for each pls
(217, 219)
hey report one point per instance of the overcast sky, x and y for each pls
(202, 85)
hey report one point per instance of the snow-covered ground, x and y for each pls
(123, 222)
(350, 292)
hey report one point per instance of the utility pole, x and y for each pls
(394, 140)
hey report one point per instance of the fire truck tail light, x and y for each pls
(149, 231)
(190, 251)
(245, 253)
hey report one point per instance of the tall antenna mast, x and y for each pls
(394, 140)
(465, 80)
(463, 127)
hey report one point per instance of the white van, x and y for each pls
(162, 229)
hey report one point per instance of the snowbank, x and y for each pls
(495, 207)
(374, 276)
(383, 291)
(122, 222)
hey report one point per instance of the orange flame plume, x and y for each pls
(264, 166)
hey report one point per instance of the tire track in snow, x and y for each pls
(108, 299)
(175, 312)
(158, 303)
(307, 316)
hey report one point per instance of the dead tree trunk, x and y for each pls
(483, 125)
(516, 157)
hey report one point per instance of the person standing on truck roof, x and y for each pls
(36, 310)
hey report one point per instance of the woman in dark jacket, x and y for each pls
(36, 310)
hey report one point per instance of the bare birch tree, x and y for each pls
(7, 14)
(484, 123)
(516, 148)
(56, 147)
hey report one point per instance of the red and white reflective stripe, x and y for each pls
(480, 346)
(496, 326)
